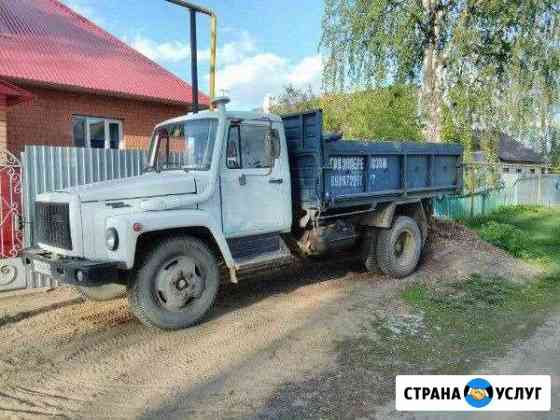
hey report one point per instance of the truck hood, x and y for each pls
(143, 186)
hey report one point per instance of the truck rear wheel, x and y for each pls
(368, 251)
(175, 285)
(102, 293)
(399, 248)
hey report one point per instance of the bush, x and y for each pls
(504, 236)
(510, 212)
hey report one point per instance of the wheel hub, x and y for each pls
(181, 284)
(178, 282)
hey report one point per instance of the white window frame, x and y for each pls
(107, 121)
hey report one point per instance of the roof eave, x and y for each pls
(203, 101)
(522, 162)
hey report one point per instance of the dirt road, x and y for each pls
(269, 350)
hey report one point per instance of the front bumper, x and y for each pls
(76, 271)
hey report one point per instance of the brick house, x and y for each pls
(66, 82)
(10, 95)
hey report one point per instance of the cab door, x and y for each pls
(256, 198)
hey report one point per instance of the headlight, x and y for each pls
(111, 239)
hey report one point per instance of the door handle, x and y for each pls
(276, 180)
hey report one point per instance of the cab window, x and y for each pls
(246, 147)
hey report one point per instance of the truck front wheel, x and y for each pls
(399, 248)
(175, 284)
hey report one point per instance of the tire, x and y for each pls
(368, 251)
(399, 248)
(102, 293)
(175, 284)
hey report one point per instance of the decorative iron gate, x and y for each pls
(12, 274)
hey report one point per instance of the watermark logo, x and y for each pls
(473, 393)
(478, 392)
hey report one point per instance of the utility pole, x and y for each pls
(193, 10)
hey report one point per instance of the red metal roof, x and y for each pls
(44, 42)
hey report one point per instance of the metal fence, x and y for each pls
(543, 190)
(538, 190)
(47, 169)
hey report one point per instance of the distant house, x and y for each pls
(516, 158)
(66, 82)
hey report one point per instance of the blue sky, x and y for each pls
(262, 45)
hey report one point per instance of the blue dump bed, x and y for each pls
(328, 174)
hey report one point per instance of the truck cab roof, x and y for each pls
(242, 115)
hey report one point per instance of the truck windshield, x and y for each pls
(184, 145)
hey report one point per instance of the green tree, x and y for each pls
(481, 61)
(293, 99)
(378, 114)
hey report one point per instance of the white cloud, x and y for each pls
(175, 51)
(258, 76)
(170, 52)
(306, 71)
(267, 67)
(233, 52)
(245, 73)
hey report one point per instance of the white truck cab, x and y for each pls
(213, 176)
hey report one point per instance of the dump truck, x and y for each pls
(226, 194)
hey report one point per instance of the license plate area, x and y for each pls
(42, 267)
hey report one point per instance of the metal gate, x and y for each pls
(12, 273)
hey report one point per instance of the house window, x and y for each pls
(97, 133)
(519, 170)
(506, 170)
(246, 147)
(532, 170)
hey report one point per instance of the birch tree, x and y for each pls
(483, 49)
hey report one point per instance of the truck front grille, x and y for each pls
(53, 224)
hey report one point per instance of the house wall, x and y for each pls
(3, 118)
(47, 119)
(524, 169)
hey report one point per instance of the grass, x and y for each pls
(458, 325)
(480, 316)
(531, 233)
(462, 323)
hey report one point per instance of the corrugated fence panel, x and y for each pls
(542, 189)
(539, 190)
(47, 169)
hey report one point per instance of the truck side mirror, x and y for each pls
(272, 146)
